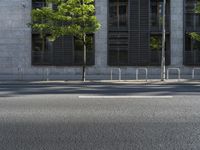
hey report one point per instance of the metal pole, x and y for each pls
(120, 74)
(111, 72)
(163, 43)
(84, 57)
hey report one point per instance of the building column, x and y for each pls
(177, 32)
(101, 35)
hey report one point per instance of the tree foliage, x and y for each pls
(155, 43)
(69, 17)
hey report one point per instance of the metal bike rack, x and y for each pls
(119, 71)
(20, 72)
(137, 73)
(47, 74)
(193, 72)
(177, 69)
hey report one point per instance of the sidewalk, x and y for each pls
(105, 82)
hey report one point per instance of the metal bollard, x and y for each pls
(47, 74)
(119, 72)
(193, 72)
(20, 73)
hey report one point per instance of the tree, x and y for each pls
(70, 17)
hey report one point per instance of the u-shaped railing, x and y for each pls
(178, 71)
(119, 73)
(138, 70)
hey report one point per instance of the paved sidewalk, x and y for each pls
(108, 82)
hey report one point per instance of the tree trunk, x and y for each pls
(163, 43)
(84, 58)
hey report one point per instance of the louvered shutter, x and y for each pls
(139, 53)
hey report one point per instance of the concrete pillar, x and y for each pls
(101, 35)
(176, 33)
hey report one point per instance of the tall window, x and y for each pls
(118, 33)
(192, 51)
(118, 13)
(65, 51)
(41, 47)
(192, 24)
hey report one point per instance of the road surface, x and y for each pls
(99, 117)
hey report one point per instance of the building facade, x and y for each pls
(129, 38)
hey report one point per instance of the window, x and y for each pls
(192, 51)
(38, 4)
(192, 18)
(192, 24)
(118, 33)
(41, 50)
(118, 13)
(78, 50)
(156, 32)
(191, 44)
(156, 49)
(156, 14)
(65, 51)
(118, 48)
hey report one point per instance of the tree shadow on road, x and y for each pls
(105, 90)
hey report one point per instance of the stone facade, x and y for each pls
(15, 46)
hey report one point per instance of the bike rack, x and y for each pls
(119, 71)
(177, 69)
(47, 74)
(193, 72)
(20, 72)
(138, 70)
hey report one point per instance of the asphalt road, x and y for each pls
(54, 117)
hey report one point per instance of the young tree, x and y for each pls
(69, 17)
